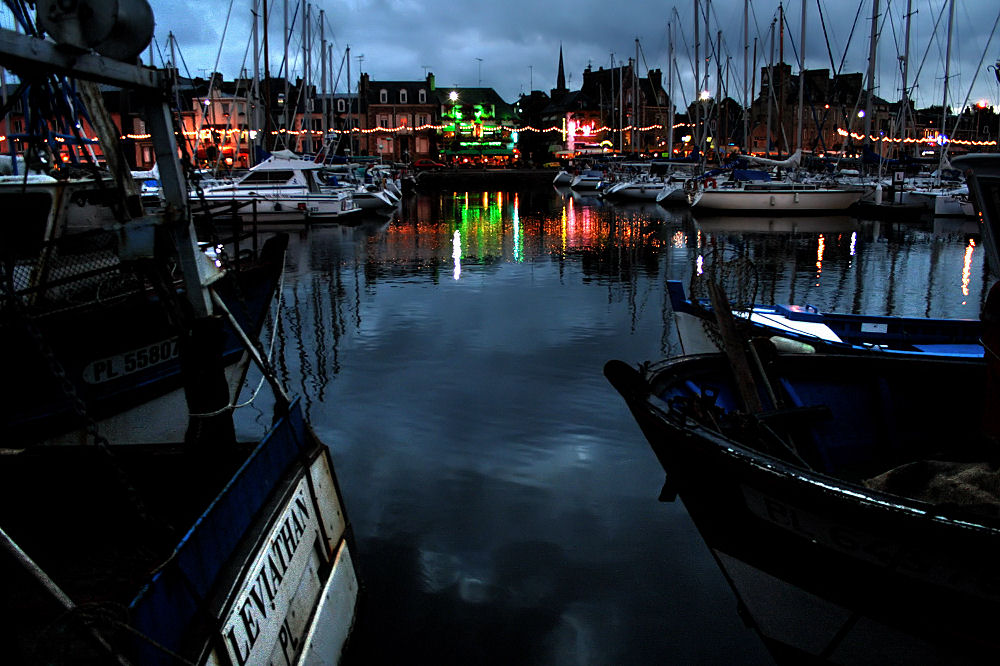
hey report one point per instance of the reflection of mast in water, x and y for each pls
(319, 333)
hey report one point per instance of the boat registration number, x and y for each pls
(112, 367)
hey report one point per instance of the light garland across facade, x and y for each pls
(937, 139)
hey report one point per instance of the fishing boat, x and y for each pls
(204, 550)
(853, 486)
(805, 328)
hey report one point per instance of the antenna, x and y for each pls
(425, 68)
(480, 72)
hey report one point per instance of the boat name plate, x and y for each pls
(269, 612)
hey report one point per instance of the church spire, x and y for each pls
(561, 77)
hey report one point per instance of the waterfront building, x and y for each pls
(398, 119)
(477, 127)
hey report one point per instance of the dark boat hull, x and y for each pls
(117, 354)
(904, 566)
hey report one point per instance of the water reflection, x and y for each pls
(503, 499)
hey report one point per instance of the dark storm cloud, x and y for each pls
(513, 45)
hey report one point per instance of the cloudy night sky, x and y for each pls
(513, 45)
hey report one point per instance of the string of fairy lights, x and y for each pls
(244, 134)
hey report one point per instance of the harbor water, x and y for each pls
(503, 500)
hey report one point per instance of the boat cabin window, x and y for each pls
(277, 176)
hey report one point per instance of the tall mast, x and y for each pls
(255, 116)
(944, 103)
(670, 91)
(322, 60)
(746, 74)
(284, 107)
(802, 78)
(780, 133)
(697, 81)
(350, 112)
(770, 89)
(304, 95)
(267, 87)
(872, 46)
(635, 99)
(906, 68)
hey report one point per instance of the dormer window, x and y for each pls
(383, 96)
(402, 97)
(422, 96)
(341, 105)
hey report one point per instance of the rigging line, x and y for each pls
(958, 114)
(937, 23)
(211, 79)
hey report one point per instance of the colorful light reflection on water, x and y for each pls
(503, 499)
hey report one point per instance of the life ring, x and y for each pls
(710, 182)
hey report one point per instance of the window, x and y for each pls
(341, 105)
(402, 97)
(383, 96)
(403, 119)
(225, 108)
(383, 121)
(423, 145)
(276, 176)
(422, 96)
(422, 119)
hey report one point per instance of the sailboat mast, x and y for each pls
(267, 86)
(670, 91)
(802, 78)
(872, 47)
(284, 107)
(944, 102)
(770, 90)
(350, 112)
(746, 74)
(255, 96)
(304, 95)
(697, 79)
(906, 68)
(322, 61)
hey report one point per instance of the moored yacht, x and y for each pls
(285, 188)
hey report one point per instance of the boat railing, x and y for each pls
(185, 587)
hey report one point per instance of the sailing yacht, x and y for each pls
(756, 193)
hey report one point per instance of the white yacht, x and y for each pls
(286, 189)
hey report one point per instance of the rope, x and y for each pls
(232, 406)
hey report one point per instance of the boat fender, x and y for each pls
(710, 182)
(790, 346)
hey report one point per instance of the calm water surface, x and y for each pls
(503, 500)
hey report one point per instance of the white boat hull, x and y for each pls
(777, 200)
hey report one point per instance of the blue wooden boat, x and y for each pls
(199, 550)
(853, 491)
(804, 328)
